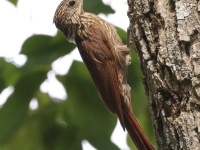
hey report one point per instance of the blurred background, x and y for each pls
(47, 98)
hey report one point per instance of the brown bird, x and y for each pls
(107, 60)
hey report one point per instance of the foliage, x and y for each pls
(60, 125)
(14, 2)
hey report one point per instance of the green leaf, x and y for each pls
(55, 133)
(46, 129)
(14, 110)
(13, 1)
(97, 7)
(2, 81)
(9, 74)
(122, 34)
(85, 110)
(27, 135)
(42, 50)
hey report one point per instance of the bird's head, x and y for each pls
(68, 12)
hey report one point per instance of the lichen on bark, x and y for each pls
(166, 35)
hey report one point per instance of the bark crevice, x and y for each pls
(167, 39)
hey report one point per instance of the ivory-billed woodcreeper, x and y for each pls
(106, 58)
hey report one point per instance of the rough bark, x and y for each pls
(167, 38)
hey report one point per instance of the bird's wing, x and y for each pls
(99, 56)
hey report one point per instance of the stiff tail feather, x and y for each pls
(135, 131)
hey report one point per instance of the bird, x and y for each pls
(106, 59)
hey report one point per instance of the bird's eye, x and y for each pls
(71, 3)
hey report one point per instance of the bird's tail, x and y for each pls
(135, 131)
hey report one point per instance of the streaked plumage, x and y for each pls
(106, 59)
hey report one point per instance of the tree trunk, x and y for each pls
(167, 39)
